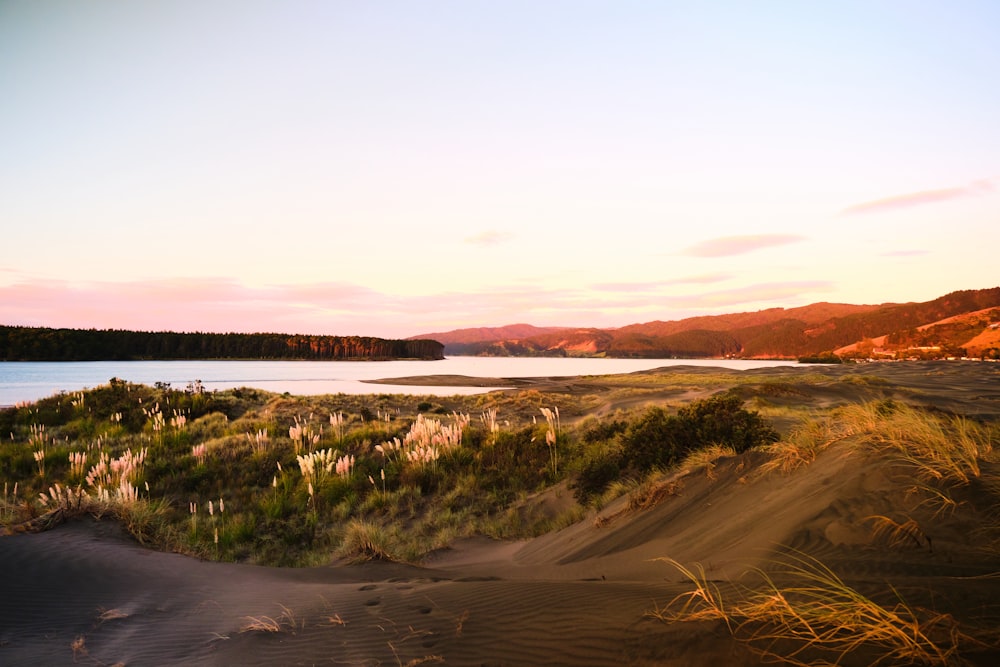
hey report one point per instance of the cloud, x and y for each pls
(727, 246)
(921, 198)
(489, 237)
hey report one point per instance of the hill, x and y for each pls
(956, 324)
(479, 334)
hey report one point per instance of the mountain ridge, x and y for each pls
(955, 324)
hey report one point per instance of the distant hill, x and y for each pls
(480, 334)
(42, 344)
(957, 324)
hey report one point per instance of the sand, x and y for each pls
(85, 593)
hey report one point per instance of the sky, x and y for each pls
(398, 168)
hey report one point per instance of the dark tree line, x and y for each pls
(41, 344)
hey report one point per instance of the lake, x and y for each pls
(29, 381)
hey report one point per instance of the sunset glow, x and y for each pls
(393, 168)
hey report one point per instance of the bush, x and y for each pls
(597, 472)
(658, 439)
(603, 431)
(517, 461)
(722, 420)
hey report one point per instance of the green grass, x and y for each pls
(481, 484)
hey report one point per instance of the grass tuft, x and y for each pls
(817, 619)
(364, 541)
(283, 623)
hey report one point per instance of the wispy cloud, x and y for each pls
(727, 246)
(920, 198)
(489, 237)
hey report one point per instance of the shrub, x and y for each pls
(597, 472)
(722, 420)
(603, 431)
(517, 461)
(654, 440)
(658, 439)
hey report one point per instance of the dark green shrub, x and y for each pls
(516, 461)
(597, 472)
(654, 440)
(722, 420)
(657, 439)
(603, 431)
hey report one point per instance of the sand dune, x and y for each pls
(85, 593)
(576, 597)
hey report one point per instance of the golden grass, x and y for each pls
(652, 491)
(898, 534)
(705, 459)
(818, 619)
(111, 615)
(79, 647)
(284, 622)
(940, 449)
(805, 442)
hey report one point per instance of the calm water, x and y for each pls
(29, 381)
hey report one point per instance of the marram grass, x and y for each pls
(814, 618)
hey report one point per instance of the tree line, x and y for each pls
(44, 344)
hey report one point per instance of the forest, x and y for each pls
(45, 344)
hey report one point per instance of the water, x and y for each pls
(29, 381)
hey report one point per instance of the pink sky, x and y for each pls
(393, 169)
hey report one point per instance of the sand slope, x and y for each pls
(576, 597)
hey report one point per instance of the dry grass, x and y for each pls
(938, 448)
(111, 615)
(813, 435)
(284, 622)
(705, 459)
(79, 647)
(899, 534)
(652, 491)
(818, 619)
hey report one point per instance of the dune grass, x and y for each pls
(307, 477)
(804, 614)
(285, 622)
(936, 447)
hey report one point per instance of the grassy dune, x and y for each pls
(809, 516)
